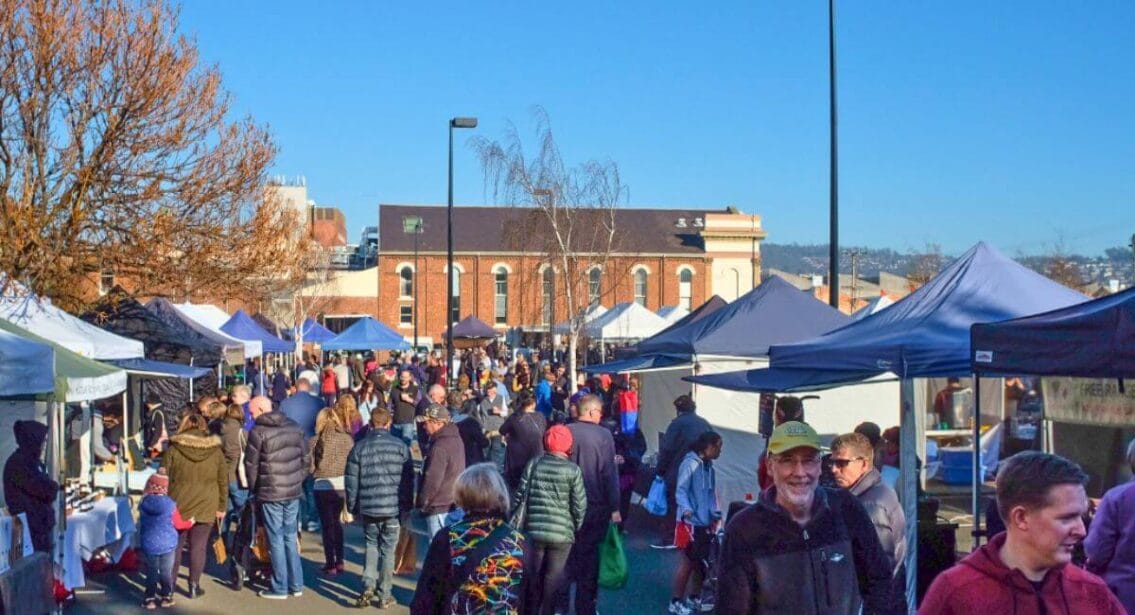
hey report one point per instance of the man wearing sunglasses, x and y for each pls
(802, 548)
(853, 468)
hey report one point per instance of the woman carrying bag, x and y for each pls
(550, 506)
(329, 449)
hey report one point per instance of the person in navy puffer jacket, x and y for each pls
(160, 521)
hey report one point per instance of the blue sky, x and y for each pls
(1006, 121)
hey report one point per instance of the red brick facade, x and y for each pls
(525, 288)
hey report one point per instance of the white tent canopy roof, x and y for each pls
(26, 367)
(673, 313)
(213, 318)
(625, 321)
(44, 319)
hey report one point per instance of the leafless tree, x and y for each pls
(117, 154)
(566, 216)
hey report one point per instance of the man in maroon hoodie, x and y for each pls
(1024, 570)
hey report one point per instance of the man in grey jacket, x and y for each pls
(853, 467)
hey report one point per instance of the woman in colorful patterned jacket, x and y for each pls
(480, 564)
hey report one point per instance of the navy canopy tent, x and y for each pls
(1095, 339)
(470, 328)
(367, 334)
(243, 327)
(925, 334)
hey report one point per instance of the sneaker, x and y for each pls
(698, 605)
(264, 593)
(664, 546)
(677, 607)
(364, 599)
(387, 602)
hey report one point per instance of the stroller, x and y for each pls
(248, 553)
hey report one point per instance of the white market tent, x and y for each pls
(625, 321)
(26, 366)
(213, 318)
(673, 313)
(589, 315)
(38, 315)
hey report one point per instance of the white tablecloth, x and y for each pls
(110, 524)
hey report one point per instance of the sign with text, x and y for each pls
(1089, 401)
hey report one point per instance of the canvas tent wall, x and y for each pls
(736, 416)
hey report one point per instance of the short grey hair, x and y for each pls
(480, 488)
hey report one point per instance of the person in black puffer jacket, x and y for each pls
(27, 486)
(554, 502)
(380, 484)
(276, 463)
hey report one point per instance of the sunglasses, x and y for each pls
(842, 463)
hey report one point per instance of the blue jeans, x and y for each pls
(281, 523)
(309, 512)
(159, 571)
(237, 498)
(407, 431)
(381, 538)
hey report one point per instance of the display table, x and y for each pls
(27, 584)
(109, 524)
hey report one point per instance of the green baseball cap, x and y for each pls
(793, 434)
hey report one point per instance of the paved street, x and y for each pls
(646, 591)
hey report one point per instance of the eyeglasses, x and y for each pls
(842, 463)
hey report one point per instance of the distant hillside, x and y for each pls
(1115, 263)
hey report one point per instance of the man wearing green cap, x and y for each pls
(802, 548)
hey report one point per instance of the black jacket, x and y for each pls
(473, 438)
(680, 434)
(769, 564)
(276, 458)
(27, 486)
(380, 476)
(445, 461)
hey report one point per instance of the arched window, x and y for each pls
(406, 281)
(685, 287)
(594, 286)
(640, 287)
(548, 288)
(500, 296)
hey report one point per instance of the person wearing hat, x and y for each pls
(160, 521)
(802, 548)
(682, 432)
(444, 461)
(549, 509)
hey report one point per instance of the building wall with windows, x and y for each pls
(500, 283)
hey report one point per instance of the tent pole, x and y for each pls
(909, 486)
(124, 468)
(975, 502)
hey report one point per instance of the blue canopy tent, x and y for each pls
(312, 332)
(367, 334)
(1095, 339)
(924, 334)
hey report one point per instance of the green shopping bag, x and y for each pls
(612, 560)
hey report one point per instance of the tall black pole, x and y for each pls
(416, 279)
(833, 242)
(450, 379)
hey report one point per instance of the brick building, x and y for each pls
(667, 257)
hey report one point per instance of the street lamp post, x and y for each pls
(457, 122)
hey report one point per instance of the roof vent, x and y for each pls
(699, 223)
(681, 223)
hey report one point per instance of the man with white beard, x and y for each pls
(802, 548)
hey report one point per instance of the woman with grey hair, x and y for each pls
(1110, 545)
(479, 564)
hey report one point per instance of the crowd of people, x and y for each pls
(516, 480)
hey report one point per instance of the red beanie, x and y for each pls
(557, 439)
